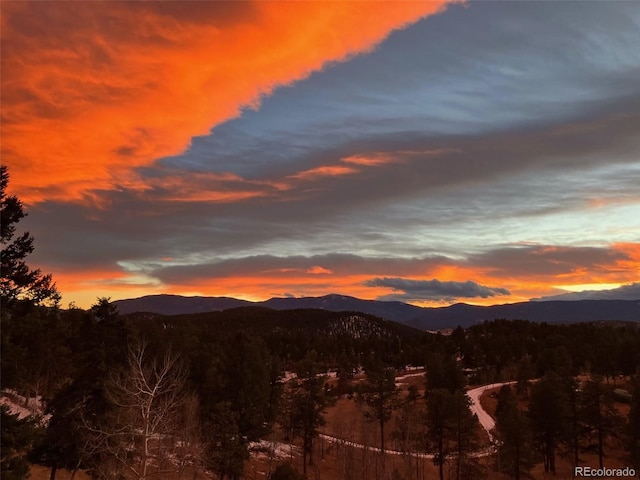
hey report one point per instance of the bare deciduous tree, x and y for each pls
(139, 432)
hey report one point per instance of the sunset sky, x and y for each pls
(428, 152)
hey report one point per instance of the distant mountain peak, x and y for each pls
(425, 318)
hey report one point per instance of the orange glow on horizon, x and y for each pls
(319, 280)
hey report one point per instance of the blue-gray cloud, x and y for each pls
(625, 292)
(416, 290)
(474, 69)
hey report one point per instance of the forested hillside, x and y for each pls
(216, 395)
(222, 383)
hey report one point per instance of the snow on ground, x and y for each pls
(487, 422)
(15, 409)
(267, 448)
(399, 378)
(408, 375)
(18, 405)
(292, 375)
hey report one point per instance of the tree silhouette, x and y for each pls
(633, 425)
(548, 413)
(380, 395)
(17, 281)
(598, 414)
(22, 290)
(515, 444)
(437, 420)
(309, 404)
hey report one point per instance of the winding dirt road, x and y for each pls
(486, 420)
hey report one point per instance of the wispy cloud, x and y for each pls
(625, 292)
(324, 171)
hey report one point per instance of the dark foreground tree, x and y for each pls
(22, 290)
(286, 471)
(18, 435)
(598, 414)
(308, 407)
(380, 395)
(437, 420)
(513, 434)
(226, 448)
(548, 414)
(462, 432)
(17, 280)
(633, 427)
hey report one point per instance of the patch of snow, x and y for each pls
(277, 450)
(15, 409)
(408, 375)
(16, 403)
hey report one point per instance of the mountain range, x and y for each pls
(425, 318)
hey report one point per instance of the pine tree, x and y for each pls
(380, 395)
(598, 414)
(633, 426)
(462, 431)
(438, 415)
(17, 281)
(548, 414)
(309, 404)
(17, 437)
(22, 291)
(513, 433)
(227, 448)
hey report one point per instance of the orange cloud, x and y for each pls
(92, 90)
(628, 270)
(317, 280)
(372, 160)
(324, 171)
(318, 270)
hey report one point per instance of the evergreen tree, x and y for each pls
(308, 406)
(437, 419)
(62, 445)
(100, 345)
(513, 434)
(462, 431)
(227, 448)
(286, 471)
(22, 290)
(633, 425)
(548, 414)
(380, 395)
(574, 427)
(408, 433)
(598, 414)
(18, 435)
(444, 372)
(247, 386)
(524, 373)
(18, 282)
